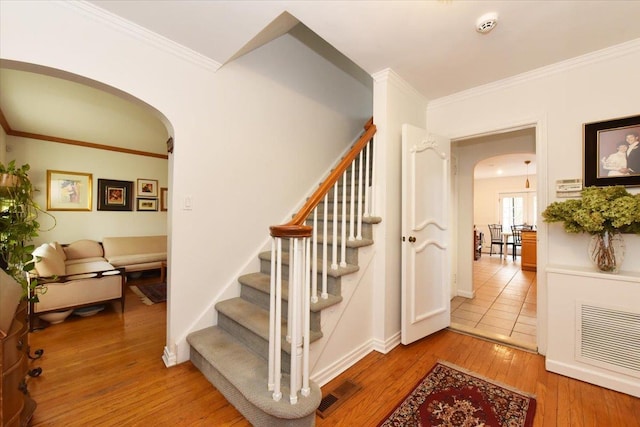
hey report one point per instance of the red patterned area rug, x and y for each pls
(452, 396)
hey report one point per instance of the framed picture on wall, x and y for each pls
(147, 204)
(612, 152)
(115, 195)
(147, 187)
(69, 191)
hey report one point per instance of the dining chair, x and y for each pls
(496, 237)
(516, 239)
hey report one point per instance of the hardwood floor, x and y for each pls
(106, 370)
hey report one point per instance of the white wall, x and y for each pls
(250, 139)
(395, 103)
(558, 100)
(72, 225)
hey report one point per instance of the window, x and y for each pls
(517, 208)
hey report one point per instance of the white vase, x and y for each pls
(606, 251)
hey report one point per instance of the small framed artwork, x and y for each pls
(68, 191)
(612, 152)
(147, 204)
(147, 187)
(115, 195)
(164, 198)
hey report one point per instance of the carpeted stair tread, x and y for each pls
(339, 272)
(349, 243)
(262, 282)
(255, 320)
(365, 219)
(248, 373)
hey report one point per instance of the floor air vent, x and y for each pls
(609, 338)
(336, 397)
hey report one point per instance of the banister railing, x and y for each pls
(305, 261)
(295, 227)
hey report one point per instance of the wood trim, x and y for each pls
(7, 129)
(85, 144)
(295, 228)
(5, 124)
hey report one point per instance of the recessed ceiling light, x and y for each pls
(487, 22)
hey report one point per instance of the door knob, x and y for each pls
(412, 239)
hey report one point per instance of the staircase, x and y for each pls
(234, 354)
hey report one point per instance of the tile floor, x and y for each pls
(504, 307)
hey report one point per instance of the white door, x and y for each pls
(426, 307)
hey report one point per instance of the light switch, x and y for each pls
(188, 203)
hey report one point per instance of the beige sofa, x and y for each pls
(73, 276)
(137, 253)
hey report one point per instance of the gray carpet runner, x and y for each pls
(233, 354)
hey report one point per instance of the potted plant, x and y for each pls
(604, 213)
(18, 224)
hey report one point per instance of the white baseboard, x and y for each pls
(389, 344)
(466, 294)
(339, 366)
(594, 376)
(169, 358)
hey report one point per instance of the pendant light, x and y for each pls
(526, 184)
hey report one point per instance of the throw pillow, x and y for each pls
(84, 249)
(50, 264)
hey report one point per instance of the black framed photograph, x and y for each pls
(147, 204)
(612, 152)
(115, 195)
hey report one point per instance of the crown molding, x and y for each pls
(622, 49)
(142, 34)
(391, 77)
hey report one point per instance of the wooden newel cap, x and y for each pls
(291, 231)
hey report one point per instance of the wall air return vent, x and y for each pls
(608, 337)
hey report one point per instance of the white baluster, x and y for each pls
(291, 285)
(366, 183)
(306, 313)
(360, 184)
(272, 315)
(294, 319)
(353, 199)
(325, 294)
(372, 205)
(334, 245)
(314, 264)
(343, 232)
(277, 394)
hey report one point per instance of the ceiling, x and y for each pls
(433, 45)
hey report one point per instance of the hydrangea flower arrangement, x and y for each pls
(599, 210)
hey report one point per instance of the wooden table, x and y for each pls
(163, 271)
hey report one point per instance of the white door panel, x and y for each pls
(425, 217)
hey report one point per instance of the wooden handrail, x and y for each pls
(296, 228)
